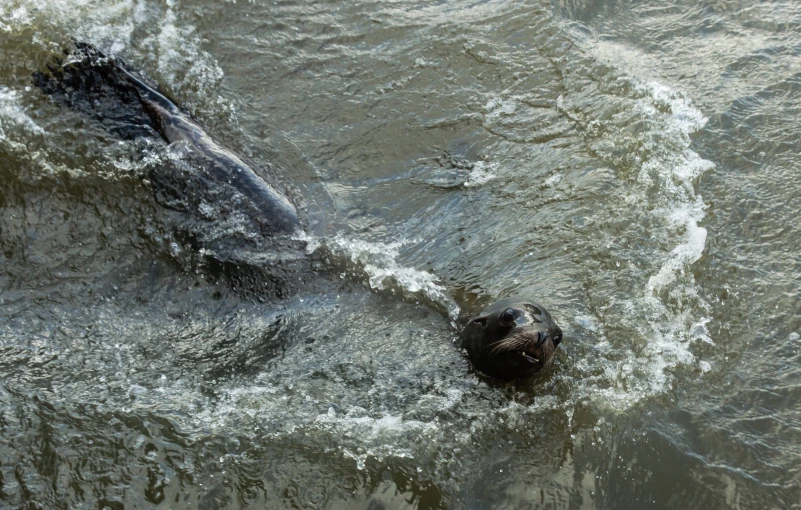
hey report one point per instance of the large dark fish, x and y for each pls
(101, 86)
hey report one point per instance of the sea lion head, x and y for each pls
(511, 339)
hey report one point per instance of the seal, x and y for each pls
(511, 339)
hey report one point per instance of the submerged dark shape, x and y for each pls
(238, 227)
(511, 339)
(89, 81)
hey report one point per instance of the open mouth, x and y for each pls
(530, 357)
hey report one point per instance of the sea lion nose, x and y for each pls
(557, 336)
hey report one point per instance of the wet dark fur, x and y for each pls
(511, 339)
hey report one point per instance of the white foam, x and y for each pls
(13, 16)
(666, 182)
(373, 429)
(497, 107)
(554, 179)
(699, 331)
(108, 20)
(481, 173)
(684, 115)
(681, 256)
(380, 262)
(13, 116)
(111, 25)
(677, 170)
(674, 170)
(284, 412)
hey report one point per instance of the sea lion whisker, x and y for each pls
(513, 342)
(502, 343)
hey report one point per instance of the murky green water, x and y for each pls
(631, 166)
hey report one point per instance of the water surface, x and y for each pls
(633, 166)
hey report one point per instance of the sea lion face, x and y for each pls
(511, 339)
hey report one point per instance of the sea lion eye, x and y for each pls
(509, 315)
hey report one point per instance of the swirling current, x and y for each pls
(632, 166)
